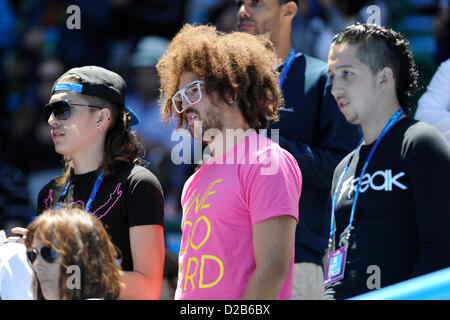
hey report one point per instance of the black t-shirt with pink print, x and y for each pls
(131, 197)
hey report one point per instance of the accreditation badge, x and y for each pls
(335, 265)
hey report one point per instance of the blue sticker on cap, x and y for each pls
(134, 118)
(68, 87)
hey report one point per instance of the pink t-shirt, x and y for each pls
(253, 182)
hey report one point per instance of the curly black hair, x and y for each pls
(380, 47)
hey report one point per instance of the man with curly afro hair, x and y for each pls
(240, 209)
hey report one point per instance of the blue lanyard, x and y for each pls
(392, 121)
(94, 191)
(287, 65)
(290, 59)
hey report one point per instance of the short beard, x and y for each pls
(212, 120)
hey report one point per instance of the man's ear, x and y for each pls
(289, 10)
(385, 78)
(229, 97)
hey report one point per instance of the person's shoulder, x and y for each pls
(419, 135)
(417, 130)
(270, 154)
(131, 171)
(140, 171)
(9, 250)
(340, 166)
(315, 70)
(261, 144)
(444, 67)
(312, 60)
(50, 185)
(140, 174)
(314, 64)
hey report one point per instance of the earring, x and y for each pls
(98, 123)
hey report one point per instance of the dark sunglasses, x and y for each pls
(61, 109)
(119, 257)
(47, 253)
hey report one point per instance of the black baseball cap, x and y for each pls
(98, 82)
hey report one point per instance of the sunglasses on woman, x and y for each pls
(61, 109)
(47, 253)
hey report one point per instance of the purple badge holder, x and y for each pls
(335, 265)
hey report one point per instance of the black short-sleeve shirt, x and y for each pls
(131, 197)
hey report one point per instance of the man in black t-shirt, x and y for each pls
(91, 126)
(311, 128)
(392, 213)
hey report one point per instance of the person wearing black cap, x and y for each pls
(90, 126)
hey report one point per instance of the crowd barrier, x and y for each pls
(432, 286)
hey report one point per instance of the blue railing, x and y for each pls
(432, 286)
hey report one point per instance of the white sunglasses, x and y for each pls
(191, 93)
